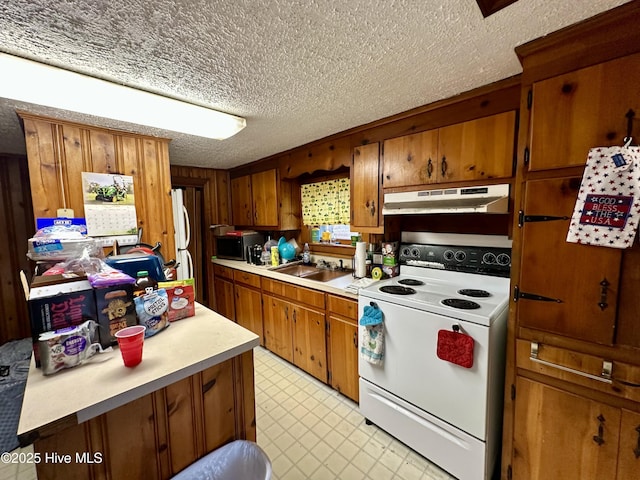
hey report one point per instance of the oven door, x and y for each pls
(413, 372)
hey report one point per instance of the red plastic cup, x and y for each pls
(130, 341)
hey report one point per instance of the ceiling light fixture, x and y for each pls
(32, 82)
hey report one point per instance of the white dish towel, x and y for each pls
(607, 209)
(372, 335)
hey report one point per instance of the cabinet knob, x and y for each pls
(443, 166)
(429, 168)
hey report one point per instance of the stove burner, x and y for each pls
(460, 303)
(397, 290)
(472, 292)
(411, 281)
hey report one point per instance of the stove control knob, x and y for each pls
(504, 259)
(448, 255)
(406, 252)
(489, 258)
(415, 252)
(460, 255)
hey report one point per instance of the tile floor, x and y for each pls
(310, 432)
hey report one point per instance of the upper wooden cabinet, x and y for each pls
(473, 150)
(365, 187)
(586, 108)
(411, 160)
(264, 200)
(565, 288)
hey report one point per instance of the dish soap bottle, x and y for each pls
(306, 255)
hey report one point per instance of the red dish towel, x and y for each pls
(455, 347)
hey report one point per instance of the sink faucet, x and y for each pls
(341, 265)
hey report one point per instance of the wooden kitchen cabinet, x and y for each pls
(365, 188)
(585, 108)
(479, 149)
(563, 435)
(411, 160)
(223, 290)
(474, 150)
(249, 302)
(241, 201)
(264, 200)
(278, 333)
(309, 344)
(343, 345)
(565, 288)
(577, 304)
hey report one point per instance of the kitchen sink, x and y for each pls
(311, 272)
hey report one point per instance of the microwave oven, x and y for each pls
(234, 247)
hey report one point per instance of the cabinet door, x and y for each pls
(629, 453)
(343, 338)
(573, 112)
(568, 275)
(278, 336)
(411, 160)
(241, 204)
(249, 310)
(477, 150)
(225, 304)
(309, 342)
(365, 194)
(265, 198)
(561, 435)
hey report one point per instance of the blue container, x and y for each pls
(132, 263)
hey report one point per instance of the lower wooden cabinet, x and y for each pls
(225, 304)
(343, 345)
(309, 346)
(156, 436)
(278, 335)
(249, 310)
(559, 434)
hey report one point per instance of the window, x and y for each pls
(326, 203)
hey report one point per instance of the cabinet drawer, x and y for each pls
(302, 295)
(580, 369)
(224, 272)
(246, 278)
(343, 306)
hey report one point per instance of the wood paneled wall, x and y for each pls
(216, 209)
(58, 152)
(15, 230)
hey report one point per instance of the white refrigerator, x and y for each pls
(182, 235)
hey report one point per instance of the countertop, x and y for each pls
(187, 347)
(336, 286)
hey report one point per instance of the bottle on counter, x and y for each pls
(306, 254)
(144, 282)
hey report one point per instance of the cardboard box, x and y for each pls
(58, 305)
(221, 229)
(389, 253)
(116, 310)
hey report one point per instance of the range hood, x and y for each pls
(489, 199)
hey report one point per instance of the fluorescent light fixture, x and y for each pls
(32, 82)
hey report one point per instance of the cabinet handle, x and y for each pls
(636, 451)
(603, 294)
(443, 166)
(599, 439)
(295, 319)
(373, 208)
(429, 168)
(286, 312)
(606, 366)
(355, 344)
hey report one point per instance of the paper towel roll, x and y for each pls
(361, 259)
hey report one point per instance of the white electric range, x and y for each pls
(450, 414)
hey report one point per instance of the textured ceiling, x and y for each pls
(297, 70)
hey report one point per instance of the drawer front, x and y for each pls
(344, 307)
(306, 296)
(224, 272)
(580, 369)
(246, 278)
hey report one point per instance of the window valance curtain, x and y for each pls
(326, 203)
